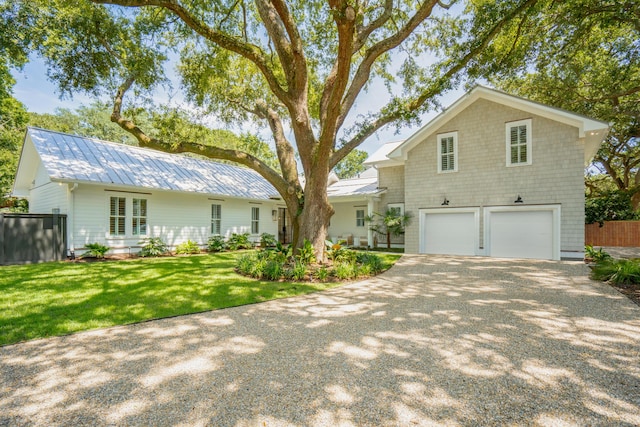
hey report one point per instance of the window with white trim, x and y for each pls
(396, 208)
(519, 143)
(448, 152)
(360, 218)
(139, 217)
(255, 220)
(216, 219)
(117, 216)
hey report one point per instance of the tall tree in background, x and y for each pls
(13, 116)
(295, 66)
(351, 165)
(13, 119)
(584, 56)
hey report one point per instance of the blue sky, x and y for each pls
(41, 96)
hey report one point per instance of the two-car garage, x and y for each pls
(531, 231)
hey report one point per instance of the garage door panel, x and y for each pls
(450, 233)
(522, 234)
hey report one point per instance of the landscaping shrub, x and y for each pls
(273, 270)
(595, 255)
(274, 264)
(299, 271)
(346, 255)
(239, 241)
(322, 273)
(332, 249)
(153, 246)
(267, 240)
(372, 261)
(283, 251)
(96, 250)
(216, 244)
(244, 263)
(363, 270)
(188, 247)
(345, 270)
(258, 267)
(618, 271)
(306, 253)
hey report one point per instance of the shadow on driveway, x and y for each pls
(433, 341)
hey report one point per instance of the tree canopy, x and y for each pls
(296, 67)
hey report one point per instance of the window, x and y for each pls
(255, 220)
(360, 218)
(396, 208)
(448, 152)
(139, 218)
(519, 143)
(117, 213)
(216, 219)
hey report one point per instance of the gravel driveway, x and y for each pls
(434, 341)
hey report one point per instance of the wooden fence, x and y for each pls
(613, 233)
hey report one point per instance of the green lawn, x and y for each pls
(42, 300)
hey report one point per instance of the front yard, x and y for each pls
(59, 298)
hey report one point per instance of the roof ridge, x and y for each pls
(99, 158)
(137, 147)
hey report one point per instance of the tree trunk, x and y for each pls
(388, 240)
(313, 221)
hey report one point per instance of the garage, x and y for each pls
(451, 231)
(523, 232)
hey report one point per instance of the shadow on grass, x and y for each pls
(59, 298)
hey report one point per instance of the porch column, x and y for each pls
(370, 209)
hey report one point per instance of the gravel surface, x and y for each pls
(433, 341)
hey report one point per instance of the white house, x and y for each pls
(118, 194)
(494, 175)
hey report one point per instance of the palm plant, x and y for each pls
(391, 223)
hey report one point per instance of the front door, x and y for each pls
(284, 229)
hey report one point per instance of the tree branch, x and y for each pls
(344, 16)
(374, 52)
(434, 89)
(284, 149)
(248, 51)
(236, 156)
(364, 32)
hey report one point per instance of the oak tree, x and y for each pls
(298, 67)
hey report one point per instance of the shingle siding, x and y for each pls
(391, 178)
(556, 175)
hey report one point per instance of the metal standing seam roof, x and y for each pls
(354, 187)
(75, 158)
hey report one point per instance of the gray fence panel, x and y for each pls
(30, 238)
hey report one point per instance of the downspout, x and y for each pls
(70, 222)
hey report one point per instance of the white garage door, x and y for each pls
(449, 233)
(522, 234)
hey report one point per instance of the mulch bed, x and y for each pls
(631, 291)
